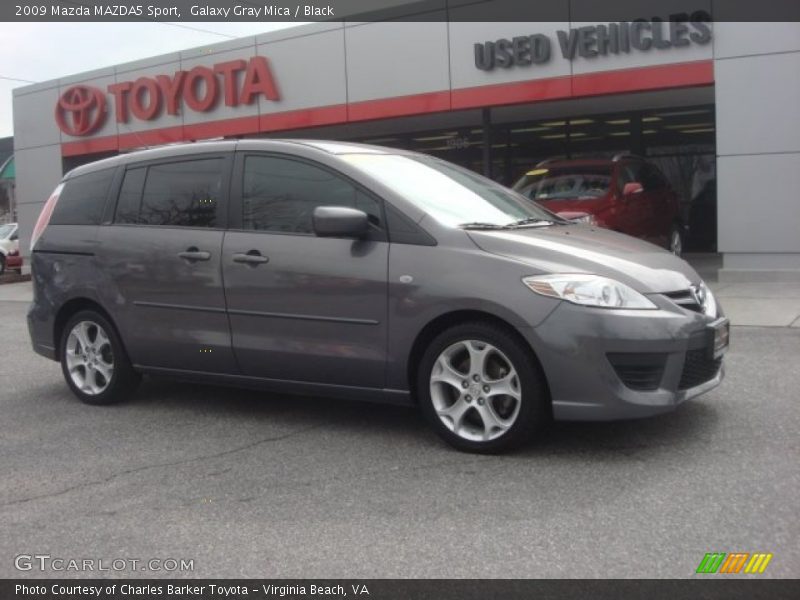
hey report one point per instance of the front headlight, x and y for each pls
(588, 290)
(706, 300)
(585, 220)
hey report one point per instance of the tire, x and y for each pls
(493, 422)
(676, 239)
(2, 264)
(94, 361)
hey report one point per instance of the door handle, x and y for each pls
(192, 254)
(253, 257)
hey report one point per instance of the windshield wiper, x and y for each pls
(533, 221)
(480, 225)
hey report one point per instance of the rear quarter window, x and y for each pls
(83, 199)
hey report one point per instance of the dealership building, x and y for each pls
(716, 106)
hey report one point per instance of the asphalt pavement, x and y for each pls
(255, 485)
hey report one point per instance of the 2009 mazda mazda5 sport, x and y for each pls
(365, 272)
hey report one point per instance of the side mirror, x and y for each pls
(631, 188)
(339, 221)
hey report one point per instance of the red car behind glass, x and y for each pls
(625, 193)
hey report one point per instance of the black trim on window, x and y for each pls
(403, 230)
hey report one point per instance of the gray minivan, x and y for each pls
(364, 272)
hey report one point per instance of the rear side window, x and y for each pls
(130, 196)
(83, 198)
(175, 194)
(281, 194)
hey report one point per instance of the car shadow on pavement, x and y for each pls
(690, 423)
(297, 410)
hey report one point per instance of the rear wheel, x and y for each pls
(2, 264)
(93, 360)
(480, 389)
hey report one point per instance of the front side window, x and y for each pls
(452, 195)
(83, 199)
(6, 231)
(652, 180)
(280, 194)
(175, 194)
(629, 173)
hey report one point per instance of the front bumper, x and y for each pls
(605, 364)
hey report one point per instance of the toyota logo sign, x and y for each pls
(81, 110)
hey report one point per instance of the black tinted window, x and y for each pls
(130, 196)
(175, 194)
(281, 194)
(83, 198)
(652, 178)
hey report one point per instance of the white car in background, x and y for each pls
(9, 248)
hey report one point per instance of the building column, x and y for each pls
(486, 117)
(758, 150)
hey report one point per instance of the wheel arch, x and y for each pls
(458, 317)
(71, 307)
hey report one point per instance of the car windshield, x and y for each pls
(6, 230)
(452, 195)
(574, 183)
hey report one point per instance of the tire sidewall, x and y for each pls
(533, 408)
(117, 388)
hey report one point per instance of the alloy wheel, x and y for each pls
(475, 390)
(90, 359)
(675, 243)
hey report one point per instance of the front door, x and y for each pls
(301, 307)
(162, 256)
(635, 211)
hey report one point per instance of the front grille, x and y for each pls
(698, 368)
(685, 299)
(641, 372)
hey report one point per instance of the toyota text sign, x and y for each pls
(81, 110)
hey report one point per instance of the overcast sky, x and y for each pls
(40, 51)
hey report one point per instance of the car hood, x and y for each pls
(582, 249)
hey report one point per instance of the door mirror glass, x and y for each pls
(631, 188)
(340, 221)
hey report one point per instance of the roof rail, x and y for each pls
(622, 155)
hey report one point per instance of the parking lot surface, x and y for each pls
(256, 485)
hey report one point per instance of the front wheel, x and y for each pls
(480, 389)
(676, 240)
(93, 360)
